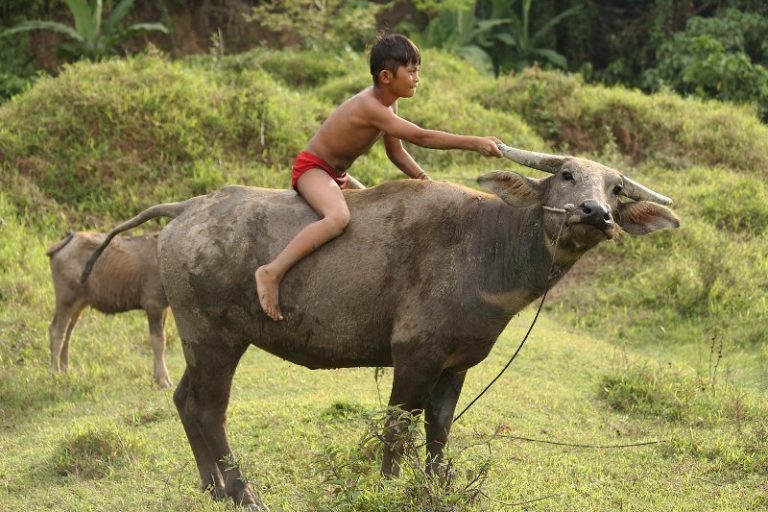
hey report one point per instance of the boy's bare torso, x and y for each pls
(349, 132)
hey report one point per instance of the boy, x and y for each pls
(320, 171)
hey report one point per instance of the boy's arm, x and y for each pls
(402, 159)
(395, 126)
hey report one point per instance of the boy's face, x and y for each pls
(404, 82)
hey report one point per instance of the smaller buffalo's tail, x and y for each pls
(171, 210)
(60, 245)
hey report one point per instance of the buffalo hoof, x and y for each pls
(164, 383)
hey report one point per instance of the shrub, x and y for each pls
(710, 59)
(94, 453)
(639, 390)
(145, 130)
(307, 69)
(663, 127)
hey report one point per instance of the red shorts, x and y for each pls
(306, 161)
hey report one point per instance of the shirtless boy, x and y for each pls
(320, 171)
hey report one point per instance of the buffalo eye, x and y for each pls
(617, 189)
(567, 176)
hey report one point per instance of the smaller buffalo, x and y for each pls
(126, 278)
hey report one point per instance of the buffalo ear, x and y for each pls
(514, 189)
(643, 217)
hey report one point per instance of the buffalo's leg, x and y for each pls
(202, 397)
(439, 411)
(60, 330)
(156, 318)
(210, 477)
(64, 357)
(411, 387)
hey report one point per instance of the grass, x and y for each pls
(660, 338)
(293, 427)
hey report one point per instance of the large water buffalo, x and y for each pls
(424, 279)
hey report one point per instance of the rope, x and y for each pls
(535, 318)
(578, 445)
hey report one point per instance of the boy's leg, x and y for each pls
(324, 196)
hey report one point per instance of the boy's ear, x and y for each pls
(514, 189)
(386, 76)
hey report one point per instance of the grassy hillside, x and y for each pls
(661, 337)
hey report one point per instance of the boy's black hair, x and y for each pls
(392, 51)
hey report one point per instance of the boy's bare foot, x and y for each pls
(267, 286)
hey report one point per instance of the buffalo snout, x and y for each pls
(595, 213)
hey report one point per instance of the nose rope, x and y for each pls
(550, 275)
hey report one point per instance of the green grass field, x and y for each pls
(660, 339)
(103, 438)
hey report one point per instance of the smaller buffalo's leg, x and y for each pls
(156, 318)
(202, 398)
(441, 406)
(64, 358)
(61, 329)
(410, 389)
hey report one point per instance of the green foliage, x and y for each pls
(519, 46)
(648, 392)
(329, 25)
(149, 131)
(301, 69)
(16, 68)
(710, 59)
(346, 473)
(98, 452)
(491, 34)
(92, 36)
(343, 410)
(457, 31)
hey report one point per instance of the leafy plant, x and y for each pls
(516, 47)
(16, 67)
(91, 37)
(455, 28)
(491, 33)
(717, 58)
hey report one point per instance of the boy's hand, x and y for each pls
(488, 146)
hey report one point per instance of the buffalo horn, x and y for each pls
(540, 161)
(552, 163)
(638, 192)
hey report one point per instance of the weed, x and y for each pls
(98, 452)
(342, 410)
(640, 390)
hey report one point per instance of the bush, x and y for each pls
(96, 453)
(710, 60)
(17, 70)
(662, 127)
(307, 69)
(125, 134)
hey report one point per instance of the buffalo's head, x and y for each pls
(582, 201)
